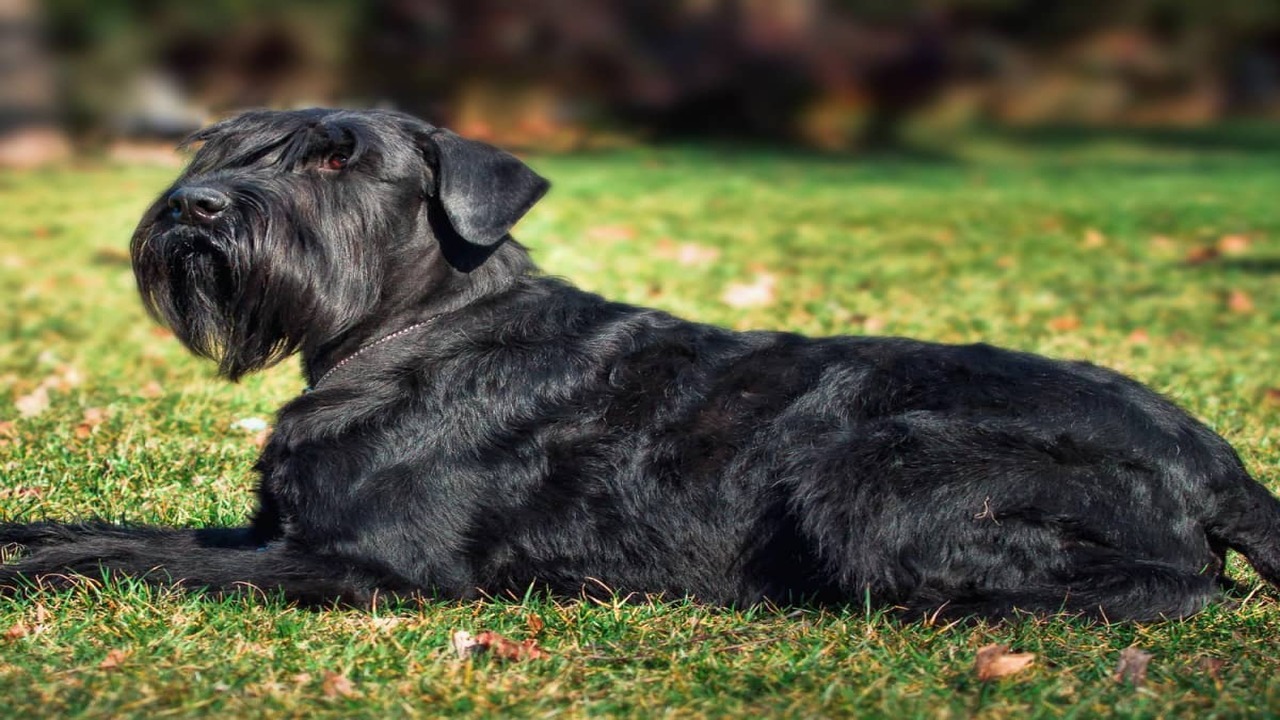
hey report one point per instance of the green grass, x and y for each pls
(1065, 244)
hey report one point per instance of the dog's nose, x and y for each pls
(198, 205)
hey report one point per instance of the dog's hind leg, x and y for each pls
(1119, 590)
(193, 560)
(1246, 518)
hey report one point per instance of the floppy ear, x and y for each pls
(482, 190)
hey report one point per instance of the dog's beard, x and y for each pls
(252, 289)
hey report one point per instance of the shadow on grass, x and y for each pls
(1244, 137)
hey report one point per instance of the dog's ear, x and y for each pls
(482, 190)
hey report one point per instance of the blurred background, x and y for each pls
(849, 75)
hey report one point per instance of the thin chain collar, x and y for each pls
(370, 346)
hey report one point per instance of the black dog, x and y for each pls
(475, 427)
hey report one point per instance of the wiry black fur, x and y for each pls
(532, 434)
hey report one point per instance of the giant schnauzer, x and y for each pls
(475, 427)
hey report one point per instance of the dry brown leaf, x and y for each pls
(16, 631)
(874, 324)
(510, 649)
(995, 661)
(760, 292)
(1201, 254)
(1140, 336)
(151, 390)
(1094, 239)
(1238, 301)
(534, 623)
(1271, 396)
(93, 417)
(466, 646)
(687, 254)
(1212, 666)
(1065, 323)
(1234, 244)
(7, 429)
(33, 403)
(302, 678)
(1132, 667)
(114, 659)
(611, 232)
(337, 685)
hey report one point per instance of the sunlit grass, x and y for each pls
(1096, 250)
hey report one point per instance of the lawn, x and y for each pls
(1157, 254)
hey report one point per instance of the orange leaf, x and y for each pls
(1234, 244)
(1094, 239)
(534, 623)
(510, 649)
(995, 661)
(16, 631)
(1271, 396)
(337, 685)
(1065, 323)
(114, 659)
(1201, 254)
(1238, 301)
(611, 233)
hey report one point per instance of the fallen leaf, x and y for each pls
(611, 232)
(21, 492)
(688, 254)
(33, 403)
(534, 623)
(1132, 668)
(250, 424)
(7, 429)
(1139, 336)
(464, 645)
(1212, 666)
(16, 631)
(510, 649)
(114, 659)
(1238, 301)
(501, 647)
(151, 390)
(302, 678)
(337, 685)
(995, 661)
(1201, 254)
(874, 324)
(93, 417)
(760, 292)
(1065, 323)
(1094, 239)
(1234, 244)
(1271, 396)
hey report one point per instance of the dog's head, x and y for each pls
(288, 228)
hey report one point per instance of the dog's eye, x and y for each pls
(336, 161)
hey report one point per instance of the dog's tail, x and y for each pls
(1244, 516)
(217, 561)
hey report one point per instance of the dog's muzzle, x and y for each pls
(197, 205)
